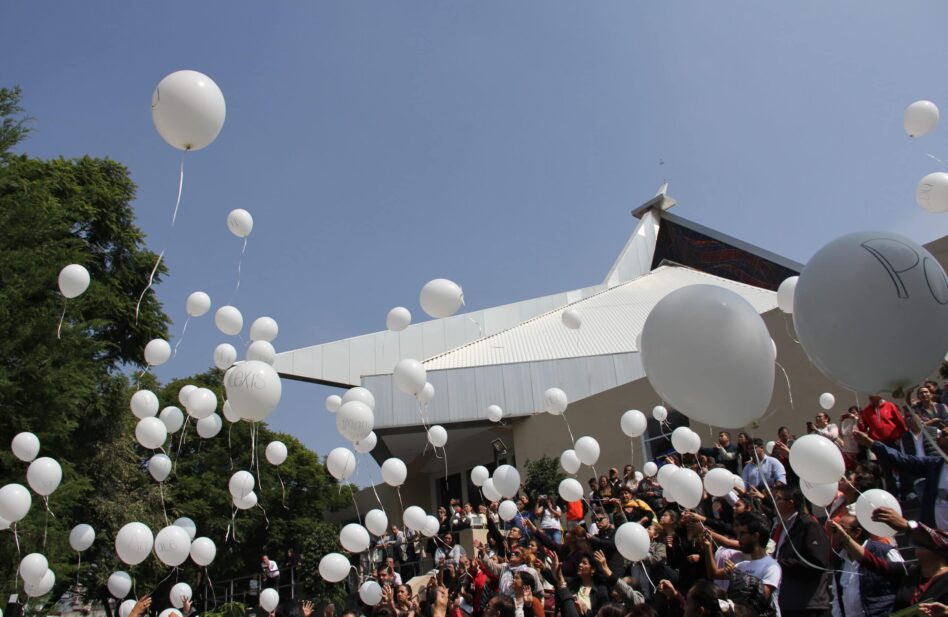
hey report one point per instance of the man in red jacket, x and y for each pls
(883, 422)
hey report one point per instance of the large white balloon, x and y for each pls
(414, 518)
(210, 426)
(490, 491)
(363, 395)
(398, 319)
(119, 584)
(437, 436)
(186, 524)
(426, 395)
(202, 403)
(572, 318)
(229, 414)
(261, 351)
(495, 413)
(366, 444)
(172, 418)
(570, 490)
(394, 472)
(157, 352)
(333, 567)
(370, 593)
(179, 592)
(819, 494)
(151, 433)
(507, 480)
(632, 541)
(932, 192)
(507, 510)
(687, 488)
(868, 502)
(650, 469)
(144, 404)
(81, 537)
(188, 110)
(555, 401)
(707, 352)
(785, 294)
(133, 543)
(355, 420)
(354, 538)
(341, 463)
(253, 389)
(659, 413)
(441, 298)
(73, 280)
(225, 355)
(333, 403)
(246, 502)
(15, 502)
(409, 376)
(269, 599)
(827, 401)
(718, 482)
(276, 453)
(817, 459)
(633, 423)
(569, 461)
(902, 295)
(159, 466)
(172, 545)
(685, 440)
(229, 320)
(185, 393)
(43, 587)
(25, 446)
(241, 483)
(376, 521)
(479, 475)
(921, 118)
(264, 329)
(240, 223)
(33, 567)
(665, 474)
(587, 450)
(197, 304)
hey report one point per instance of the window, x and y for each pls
(658, 435)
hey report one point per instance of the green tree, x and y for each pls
(543, 477)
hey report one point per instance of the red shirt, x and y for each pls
(574, 511)
(884, 424)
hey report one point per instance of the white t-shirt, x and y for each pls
(724, 554)
(768, 571)
(549, 520)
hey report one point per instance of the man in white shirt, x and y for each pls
(449, 551)
(753, 535)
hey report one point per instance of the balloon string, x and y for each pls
(480, 330)
(647, 577)
(931, 440)
(151, 279)
(445, 451)
(138, 379)
(239, 261)
(161, 492)
(232, 525)
(399, 491)
(352, 495)
(932, 156)
(59, 330)
(180, 187)
(264, 515)
(184, 430)
(256, 455)
(78, 568)
(282, 490)
(786, 324)
(568, 428)
(230, 453)
(787, 377)
(181, 338)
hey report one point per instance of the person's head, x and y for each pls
(759, 450)
(534, 546)
(523, 580)
(603, 522)
(402, 593)
(924, 395)
(851, 526)
(625, 493)
(468, 508)
(463, 561)
(743, 504)
(704, 598)
(724, 438)
(875, 400)
(442, 512)
(382, 575)
(500, 606)
(628, 471)
(821, 420)
(603, 482)
(751, 531)
(593, 483)
(611, 609)
(655, 531)
(613, 473)
(265, 560)
(514, 535)
(290, 552)
(783, 434)
(789, 500)
(390, 562)
(449, 539)
(743, 439)
(515, 556)
(585, 567)
(394, 530)
(669, 517)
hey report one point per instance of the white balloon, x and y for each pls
(202, 403)
(178, 593)
(665, 474)
(253, 389)
(785, 294)
(144, 404)
(868, 503)
(902, 295)
(639, 476)
(441, 298)
(229, 320)
(819, 494)
(355, 420)
(246, 502)
(229, 414)
(25, 446)
(555, 401)
(394, 472)
(921, 118)
(490, 491)
(932, 192)
(572, 318)
(632, 541)
(119, 584)
(185, 393)
(587, 450)
(341, 463)
(363, 395)
(354, 538)
(827, 401)
(495, 413)
(125, 609)
(437, 436)
(264, 329)
(479, 475)
(431, 527)
(633, 423)
(659, 413)
(376, 521)
(240, 223)
(197, 304)
(133, 543)
(151, 433)
(73, 280)
(817, 459)
(718, 482)
(43, 587)
(15, 502)
(168, 612)
(33, 567)
(203, 551)
(570, 490)
(81, 537)
(707, 352)
(688, 488)
(186, 524)
(769, 447)
(410, 376)
(507, 510)
(570, 462)
(507, 480)
(650, 469)
(333, 567)
(225, 355)
(426, 395)
(685, 440)
(159, 466)
(269, 599)
(188, 110)
(210, 426)
(333, 402)
(398, 319)
(414, 518)
(157, 352)
(172, 418)
(276, 453)
(241, 483)
(261, 351)
(172, 545)
(367, 444)
(370, 593)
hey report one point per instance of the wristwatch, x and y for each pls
(912, 525)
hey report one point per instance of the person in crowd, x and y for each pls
(882, 421)
(860, 590)
(633, 509)
(575, 513)
(448, 552)
(803, 552)
(271, 572)
(763, 469)
(548, 513)
(723, 452)
(847, 443)
(396, 576)
(755, 581)
(745, 450)
(823, 426)
(628, 477)
(928, 407)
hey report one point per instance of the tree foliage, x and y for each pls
(543, 477)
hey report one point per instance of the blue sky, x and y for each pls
(500, 144)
